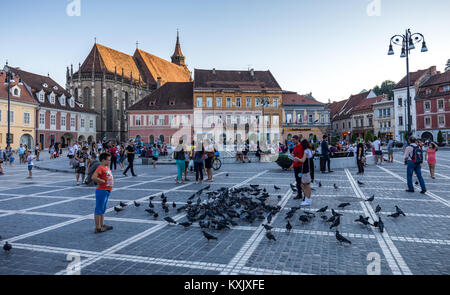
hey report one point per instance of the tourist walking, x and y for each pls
(122, 156)
(113, 153)
(414, 157)
(82, 158)
(155, 155)
(130, 151)
(297, 154)
(22, 155)
(209, 150)
(390, 149)
(377, 149)
(179, 156)
(430, 157)
(199, 153)
(105, 180)
(325, 155)
(360, 156)
(305, 177)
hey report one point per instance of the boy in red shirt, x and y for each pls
(298, 154)
(104, 178)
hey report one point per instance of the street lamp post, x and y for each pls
(407, 42)
(8, 79)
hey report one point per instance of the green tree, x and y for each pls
(379, 135)
(447, 66)
(315, 138)
(385, 88)
(440, 137)
(369, 136)
(353, 137)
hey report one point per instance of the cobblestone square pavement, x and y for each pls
(48, 218)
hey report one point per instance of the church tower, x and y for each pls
(178, 57)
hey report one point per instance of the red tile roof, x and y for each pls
(336, 108)
(36, 83)
(179, 92)
(293, 98)
(243, 80)
(24, 97)
(350, 104)
(414, 77)
(434, 83)
(367, 103)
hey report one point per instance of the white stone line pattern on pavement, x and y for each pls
(426, 170)
(144, 234)
(428, 193)
(241, 258)
(398, 266)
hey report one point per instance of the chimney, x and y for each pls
(214, 71)
(158, 83)
(252, 73)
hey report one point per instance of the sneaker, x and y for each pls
(423, 191)
(99, 230)
(409, 190)
(331, 171)
(124, 174)
(298, 197)
(306, 202)
(135, 175)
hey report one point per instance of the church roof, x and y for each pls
(177, 51)
(104, 58)
(153, 67)
(242, 80)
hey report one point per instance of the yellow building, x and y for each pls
(228, 107)
(23, 114)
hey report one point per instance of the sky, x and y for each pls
(332, 48)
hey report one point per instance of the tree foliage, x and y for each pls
(447, 66)
(368, 136)
(440, 137)
(385, 88)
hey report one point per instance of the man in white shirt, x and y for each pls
(378, 154)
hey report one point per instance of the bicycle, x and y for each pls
(216, 161)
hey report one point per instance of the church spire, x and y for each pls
(178, 57)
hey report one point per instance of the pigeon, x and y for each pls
(208, 236)
(166, 210)
(7, 247)
(122, 204)
(137, 204)
(207, 187)
(335, 186)
(264, 190)
(363, 220)
(117, 209)
(276, 187)
(288, 226)
(335, 213)
(343, 205)
(380, 224)
(151, 198)
(341, 239)
(321, 210)
(320, 184)
(270, 236)
(336, 222)
(370, 199)
(174, 205)
(227, 174)
(293, 188)
(170, 220)
(377, 209)
(163, 196)
(266, 226)
(360, 183)
(324, 217)
(332, 218)
(279, 197)
(395, 215)
(269, 218)
(185, 224)
(199, 200)
(150, 211)
(191, 197)
(399, 211)
(151, 205)
(304, 218)
(155, 215)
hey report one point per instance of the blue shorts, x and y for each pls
(378, 153)
(101, 199)
(30, 167)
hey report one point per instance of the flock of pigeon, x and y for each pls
(218, 210)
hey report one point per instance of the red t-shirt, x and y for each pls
(298, 153)
(105, 174)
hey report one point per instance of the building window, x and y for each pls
(63, 120)
(428, 91)
(219, 102)
(11, 116)
(427, 122)
(41, 97)
(82, 123)
(400, 121)
(151, 120)
(72, 122)
(238, 102)
(275, 120)
(172, 120)
(228, 102)
(288, 118)
(209, 102)
(185, 119)
(349, 125)
(41, 119)
(52, 98)
(380, 113)
(257, 102)
(427, 106)
(199, 102)
(137, 120)
(275, 102)
(310, 119)
(362, 122)
(91, 124)
(399, 101)
(300, 118)
(440, 104)
(228, 119)
(370, 122)
(446, 88)
(26, 118)
(16, 92)
(52, 119)
(161, 120)
(441, 121)
(62, 100)
(389, 123)
(248, 102)
(343, 125)
(388, 112)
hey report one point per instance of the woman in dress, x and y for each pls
(430, 157)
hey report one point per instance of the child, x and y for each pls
(11, 158)
(1, 168)
(30, 158)
(104, 178)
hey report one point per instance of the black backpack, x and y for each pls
(417, 157)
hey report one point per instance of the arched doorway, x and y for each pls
(90, 139)
(81, 138)
(151, 139)
(161, 137)
(27, 139)
(67, 140)
(427, 136)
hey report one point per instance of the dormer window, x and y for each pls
(52, 98)
(16, 91)
(71, 102)
(152, 103)
(446, 88)
(41, 96)
(172, 102)
(428, 91)
(62, 100)
(55, 87)
(44, 85)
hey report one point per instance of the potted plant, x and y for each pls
(284, 162)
